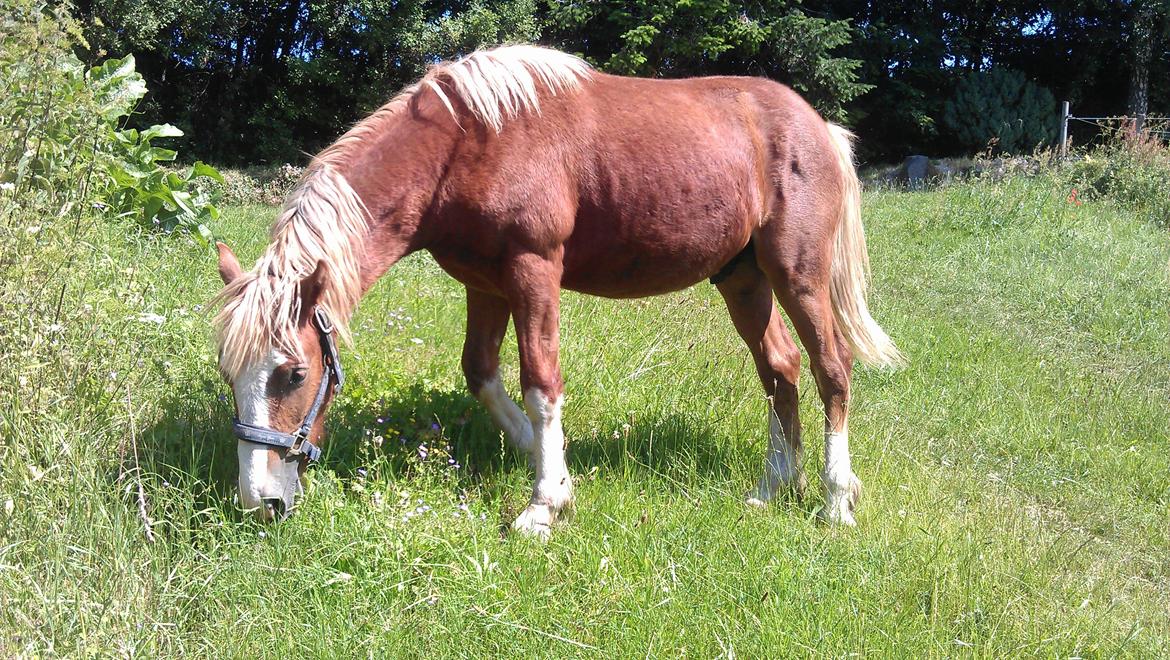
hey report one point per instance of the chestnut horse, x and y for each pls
(523, 172)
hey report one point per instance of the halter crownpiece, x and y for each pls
(298, 443)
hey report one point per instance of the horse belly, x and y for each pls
(653, 256)
(657, 233)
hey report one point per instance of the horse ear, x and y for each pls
(312, 286)
(229, 266)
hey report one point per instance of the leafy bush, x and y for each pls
(1132, 169)
(1000, 108)
(60, 135)
(253, 185)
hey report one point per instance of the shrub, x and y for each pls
(75, 188)
(60, 137)
(1001, 108)
(1131, 169)
(253, 185)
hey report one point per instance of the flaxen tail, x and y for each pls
(850, 271)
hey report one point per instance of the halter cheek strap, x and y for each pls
(298, 443)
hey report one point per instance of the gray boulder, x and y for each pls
(914, 172)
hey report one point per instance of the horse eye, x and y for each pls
(297, 376)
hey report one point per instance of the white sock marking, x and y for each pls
(838, 479)
(838, 470)
(783, 464)
(553, 487)
(506, 414)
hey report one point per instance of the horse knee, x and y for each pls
(785, 362)
(477, 371)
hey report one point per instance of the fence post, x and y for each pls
(1064, 130)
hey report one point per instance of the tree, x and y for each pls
(1000, 108)
(1148, 22)
(253, 81)
(675, 38)
(268, 80)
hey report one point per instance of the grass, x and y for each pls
(1016, 473)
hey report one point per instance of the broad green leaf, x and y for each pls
(201, 168)
(162, 155)
(117, 87)
(183, 199)
(151, 208)
(161, 131)
(203, 235)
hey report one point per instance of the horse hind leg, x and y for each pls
(802, 285)
(757, 320)
(487, 322)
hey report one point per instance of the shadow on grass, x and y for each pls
(452, 425)
(191, 447)
(414, 430)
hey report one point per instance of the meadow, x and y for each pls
(1016, 471)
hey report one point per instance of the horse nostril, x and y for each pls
(274, 506)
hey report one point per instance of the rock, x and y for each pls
(914, 172)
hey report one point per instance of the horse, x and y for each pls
(523, 171)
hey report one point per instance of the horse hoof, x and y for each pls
(839, 506)
(755, 502)
(535, 521)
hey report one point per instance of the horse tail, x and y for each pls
(849, 277)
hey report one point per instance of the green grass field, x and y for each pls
(1017, 472)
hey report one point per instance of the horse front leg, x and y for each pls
(534, 297)
(487, 321)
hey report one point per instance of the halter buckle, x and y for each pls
(299, 438)
(323, 321)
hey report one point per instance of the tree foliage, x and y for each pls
(254, 81)
(1002, 109)
(698, 37)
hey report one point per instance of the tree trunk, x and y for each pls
(1141, 48)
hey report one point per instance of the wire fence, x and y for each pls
(1160, 123)
(1147, 126)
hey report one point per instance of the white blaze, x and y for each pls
(251, 389)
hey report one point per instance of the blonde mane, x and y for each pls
(324, 220)
(499, 84)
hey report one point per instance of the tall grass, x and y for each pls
(82, 356)
(1127, 166)
(1016, 475)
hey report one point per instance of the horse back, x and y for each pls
(640, 186)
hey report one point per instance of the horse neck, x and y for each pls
(397, 190)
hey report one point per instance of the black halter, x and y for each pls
(298, 443)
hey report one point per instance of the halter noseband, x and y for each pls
(298, 443)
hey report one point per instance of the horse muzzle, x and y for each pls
(268, 485)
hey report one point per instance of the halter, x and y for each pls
(298, 443)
